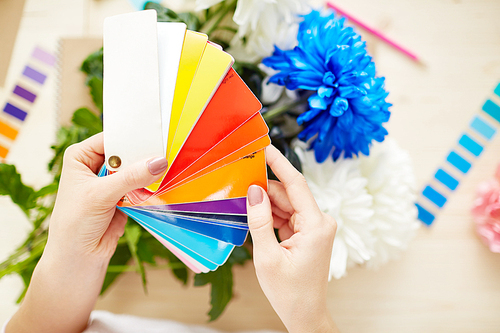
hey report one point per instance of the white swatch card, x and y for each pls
(131, 93)
(170, 41)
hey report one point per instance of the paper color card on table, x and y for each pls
(211, 71)
(131, 89)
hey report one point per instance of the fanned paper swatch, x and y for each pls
(169, 91)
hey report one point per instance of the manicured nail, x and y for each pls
(157, 165)
(255, 195)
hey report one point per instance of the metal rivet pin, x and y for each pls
(114, 162)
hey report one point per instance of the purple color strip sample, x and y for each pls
(228, 206)
(27, 95)
(34, 75)
(15, 111)
(44, 56)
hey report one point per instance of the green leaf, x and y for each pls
(180, 273)
(145, 252)
(47, 190)
(26, 275)
(85, 118)
(93, 64)
(167, 15)
(11, 184)
(239, 256)
(192, 21)
(96, 86)
(221, 289)
(121, 256)
(221, 281)
(149, 246)
(132, 235)
(93, 67)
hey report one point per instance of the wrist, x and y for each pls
(320, 323)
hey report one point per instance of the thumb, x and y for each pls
(138, 175)
(260, 221)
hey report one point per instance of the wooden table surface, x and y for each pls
(447, 281)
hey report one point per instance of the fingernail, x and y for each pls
(157, 165)
(255, 195)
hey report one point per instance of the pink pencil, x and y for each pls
(373, 31)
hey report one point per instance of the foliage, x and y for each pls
(137, 250)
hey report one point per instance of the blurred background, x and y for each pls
(447, 281)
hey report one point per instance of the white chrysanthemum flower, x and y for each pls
(265, 23)
(272, 92)
(204, 4)
(391, 182)
(340, 191)
(372, 199)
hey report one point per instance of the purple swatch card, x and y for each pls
(237, 206)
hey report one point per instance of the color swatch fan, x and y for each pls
(169, 91)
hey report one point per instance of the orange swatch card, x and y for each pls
(244, 151)
(230, 181)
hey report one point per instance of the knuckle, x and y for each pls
(330, 224)
(297, 180)
(70, 152)
(266, 262)
(257, 222)
(132, 178)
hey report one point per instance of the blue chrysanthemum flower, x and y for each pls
(348, 107)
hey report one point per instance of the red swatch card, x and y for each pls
(231, 106)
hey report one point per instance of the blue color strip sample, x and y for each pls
(424, 215)
(445, 179)
(15, 111)
(497, 90)
(458, 162)
(468, 143)
(492, 109)
(483, 128)
(434, 196)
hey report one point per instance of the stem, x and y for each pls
(133, 268)
(222, 15)
(34, 253)
(15, 257)
(273, 113)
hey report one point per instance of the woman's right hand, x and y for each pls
(294, 273)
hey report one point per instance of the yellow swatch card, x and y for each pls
(192, 51)
(213, 67)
